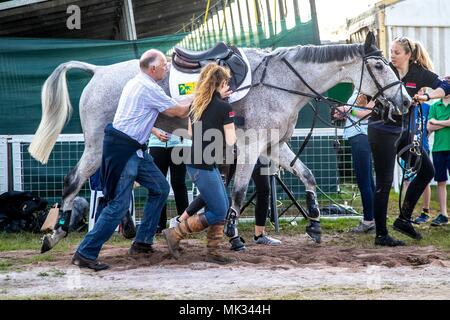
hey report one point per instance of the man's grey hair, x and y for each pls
(150, 58)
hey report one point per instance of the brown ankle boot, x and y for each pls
(214, 236)
(173, 236)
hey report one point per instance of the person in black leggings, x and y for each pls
(261, 180)
(161, 145)
(412, 64)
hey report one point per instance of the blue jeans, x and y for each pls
(362, 165)
(145, 172)
(212, 189)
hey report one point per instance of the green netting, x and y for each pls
(26, 63)
(261, 36)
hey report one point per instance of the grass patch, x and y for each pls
(14, 264)
(19, 241)
(32, 241)
(5, 265)
(58, 273)
(38, 258)
(52, 273)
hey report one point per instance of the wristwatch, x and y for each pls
(428, 96)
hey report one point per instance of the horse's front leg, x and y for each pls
(299, 169)
(244, 169)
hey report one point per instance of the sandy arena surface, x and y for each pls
(298, 269)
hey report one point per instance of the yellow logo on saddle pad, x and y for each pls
(186, 88)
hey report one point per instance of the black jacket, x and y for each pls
(117, 150)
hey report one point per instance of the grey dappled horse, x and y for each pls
(322, 67)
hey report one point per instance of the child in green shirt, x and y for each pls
(439, 123)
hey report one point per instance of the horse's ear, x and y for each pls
(370, 42)
(370, 46)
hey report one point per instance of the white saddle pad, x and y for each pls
(182, 85)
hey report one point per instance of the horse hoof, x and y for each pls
(314, 237)
(314, 232)
(237, 244)
(46, 246)
(50, 240)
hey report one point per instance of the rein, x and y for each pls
(414, 148)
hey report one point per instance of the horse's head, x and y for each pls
(380, 81)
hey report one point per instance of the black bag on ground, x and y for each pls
(337, 210)
(21, 211)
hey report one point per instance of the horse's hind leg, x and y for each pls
(74, 180)
(299, 169)
(244, 170)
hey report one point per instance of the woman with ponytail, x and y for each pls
(211, 128)
(413, 66)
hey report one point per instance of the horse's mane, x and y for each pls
(321, 54)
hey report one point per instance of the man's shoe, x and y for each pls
(140, 248)
(237, 244)
(440, 220)
(314, 231)
(423, 218)
(364, 227)
(388, 241)
(404, 226)
(82, 262)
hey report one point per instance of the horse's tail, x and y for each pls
(56, 109)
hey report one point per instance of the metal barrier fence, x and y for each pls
(3, 165)
(331, 166)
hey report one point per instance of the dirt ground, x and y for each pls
(298, 269)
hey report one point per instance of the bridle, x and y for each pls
(380, 96)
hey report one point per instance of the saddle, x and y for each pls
(188, 61)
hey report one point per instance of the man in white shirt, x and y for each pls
(124, 161)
